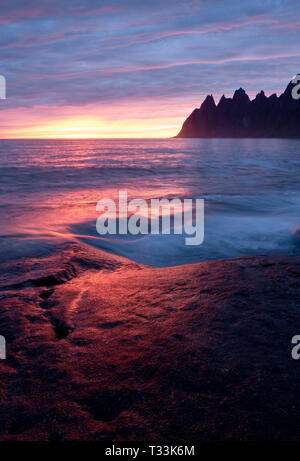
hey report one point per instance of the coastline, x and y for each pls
(102, 348)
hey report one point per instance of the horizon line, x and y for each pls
(84, 138)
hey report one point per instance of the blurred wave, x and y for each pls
(49, 190)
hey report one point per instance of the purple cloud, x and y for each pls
(76, 53)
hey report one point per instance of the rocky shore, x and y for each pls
(101, 348)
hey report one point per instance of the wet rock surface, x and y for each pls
(116, 350)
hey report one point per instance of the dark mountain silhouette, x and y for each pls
(239, 117)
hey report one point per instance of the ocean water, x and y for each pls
(49, 190)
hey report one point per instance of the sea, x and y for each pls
(49, 190)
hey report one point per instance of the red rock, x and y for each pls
(190, 352)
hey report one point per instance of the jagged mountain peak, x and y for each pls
(240, 97)
(208, 102)
(239, 92)
(260, 96)
(240, 117)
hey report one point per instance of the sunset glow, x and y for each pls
(93, 121)
(80, 127)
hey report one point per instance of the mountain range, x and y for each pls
(239, 117)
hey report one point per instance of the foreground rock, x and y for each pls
(100, 348)
(238, 117)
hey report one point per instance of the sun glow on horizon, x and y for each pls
(88, 123)
(81, 129)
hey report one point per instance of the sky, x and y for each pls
(114, 69)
